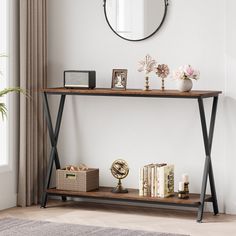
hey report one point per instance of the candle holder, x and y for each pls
(181, 195)
(186, 189)
(162, 84)
(183, 192)
(146, 87)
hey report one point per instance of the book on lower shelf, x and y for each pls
(156, 180)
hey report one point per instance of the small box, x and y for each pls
(80, 79)
(83, 181)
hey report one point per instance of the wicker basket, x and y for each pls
(83, 181)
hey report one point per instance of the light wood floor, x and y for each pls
(143, 218)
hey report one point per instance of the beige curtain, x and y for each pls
(33, 61)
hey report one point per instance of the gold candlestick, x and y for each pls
(186, 189)
(162, 84)
(146, 87)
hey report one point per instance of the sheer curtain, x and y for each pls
(4, 76)
(33, 74)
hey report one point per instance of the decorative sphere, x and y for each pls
(119, 169)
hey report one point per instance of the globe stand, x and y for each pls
(119, 188)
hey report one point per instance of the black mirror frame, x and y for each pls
(136, 40)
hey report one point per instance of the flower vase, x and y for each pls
(184, 85)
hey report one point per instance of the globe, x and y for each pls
(119, 169)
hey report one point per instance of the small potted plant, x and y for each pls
(184, 76)
(3, 108)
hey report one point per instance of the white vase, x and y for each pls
(184, 85)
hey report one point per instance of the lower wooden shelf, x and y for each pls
(132, 195)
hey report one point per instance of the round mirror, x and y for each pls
(135, 20)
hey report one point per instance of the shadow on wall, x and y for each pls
(230, 119)
(230, 153)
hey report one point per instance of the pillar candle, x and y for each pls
(181, 186)
(185, 178)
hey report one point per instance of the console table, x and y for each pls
(195, 200)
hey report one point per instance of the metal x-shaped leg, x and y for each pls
(53, 138)
(208, 170)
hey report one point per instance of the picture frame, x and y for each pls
(119, 79)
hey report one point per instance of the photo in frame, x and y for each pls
(119, 79)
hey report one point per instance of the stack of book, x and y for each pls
(156, 180)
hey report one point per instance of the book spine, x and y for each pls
(145, 181)
(153, 181)
(156, 181)
(166, 177)
(161, 181)
(141, 177)
(171, 180)
(149, 179)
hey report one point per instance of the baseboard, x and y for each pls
(231, 210)
(7, 201)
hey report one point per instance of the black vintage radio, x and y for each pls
(79, 79)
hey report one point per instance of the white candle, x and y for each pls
(185, 178)
(181, 186)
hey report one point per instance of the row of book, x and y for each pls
(156, 180)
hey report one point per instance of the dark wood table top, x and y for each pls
(133, 92)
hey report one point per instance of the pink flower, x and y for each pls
(186, 72)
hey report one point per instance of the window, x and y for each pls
(4, 77)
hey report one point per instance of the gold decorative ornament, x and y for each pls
(119, 169)
(147, 66)
(162, 71)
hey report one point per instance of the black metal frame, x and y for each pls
(54, 138)
(207, 137)
(208, 170)
(136, 40)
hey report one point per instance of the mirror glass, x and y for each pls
(135, 19)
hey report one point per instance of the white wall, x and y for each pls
(8, 173)
(97, 130)
(230, 105)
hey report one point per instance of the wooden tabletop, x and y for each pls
(133, 92)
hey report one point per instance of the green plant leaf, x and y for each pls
(9, 90)
(3, 55)
(3, 110)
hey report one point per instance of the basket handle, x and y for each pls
(71, 176)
